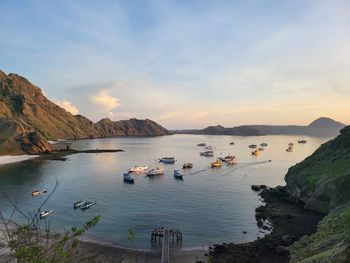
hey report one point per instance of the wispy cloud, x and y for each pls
(68, 106)
(105, 101)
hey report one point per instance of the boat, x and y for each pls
(201, 144)
(78, 204)
(229, 158)
(253, 146)
(167, 160)
(138, 169)
(261, 149)
(256, 152)
(264, 144)
(221, 159)
(209, 147)
(87, 205)
(217, 163)
(38, 192)
(290, 149)
(302, 141)
(177, 174)
(128, 179)
(45, 214)
(231, 161)
(156, 171)
(232, 143)
(290, 144)
(187, 165)
(207, 153)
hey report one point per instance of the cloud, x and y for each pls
(105, 101)
(68, 106)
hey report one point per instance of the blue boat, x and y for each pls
(87, 205)
(128, 179)
(178, 174)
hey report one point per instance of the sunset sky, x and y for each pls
(184, 64)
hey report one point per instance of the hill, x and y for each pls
(28, 119)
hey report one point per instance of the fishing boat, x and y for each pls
(261, 149)
(229, 158)
(209, 147)
(128, 179)
(45, 214)
(138, 169)
(207, 153)
(201, 144)
(87, 205)
(289, 149)
(264, 144)
(178, 174)
(167, 160)
(156, 171)
(78, 204)
(256, 152)
(231, 161)
(232, 143)
(290, 144)
(253, 146)
(302, 141)
(38, 192)
(217, 163)
(187, 165)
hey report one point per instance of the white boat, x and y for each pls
(87, 205)
(37, 193)
(231, 161)
(207, 153)
(302, 141)
(128, 179)
(201, 144)
(155, 171)
(167, 160)
(178, 174)
(264, 144)
(138, 169)
(78, 204)
(45, 213)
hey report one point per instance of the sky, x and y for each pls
(184, 63)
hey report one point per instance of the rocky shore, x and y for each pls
(289, 220)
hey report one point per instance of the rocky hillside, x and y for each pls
(322, 180)
(25, 111)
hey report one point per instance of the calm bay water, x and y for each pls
(208, 206)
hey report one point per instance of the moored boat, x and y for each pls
(128, 179)
(232, 143)
(167, 160)
(187, 165)
(229, 158)
(78, 204)
(261, 149)
(217, 163)
(290, 144)
(87, 205)
(207, 153)
(256, 152)
(289, 149)
(38, 192)
(209, 147)
(253, 146)
(178, 174)
(155, 171)
(138, 169)
(45, 214)
(201, 144)
(231, 161)
(264, 144)
(302, 141)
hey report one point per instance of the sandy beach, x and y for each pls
(7, 159)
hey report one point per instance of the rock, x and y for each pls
(256, 187)
(281, 250)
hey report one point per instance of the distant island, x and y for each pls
(28, 120)
(321, 127)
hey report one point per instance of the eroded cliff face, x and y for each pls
(322, 180)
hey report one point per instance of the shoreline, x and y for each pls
(9, 159)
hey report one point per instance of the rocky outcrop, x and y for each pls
(322, 180)
(24, 109)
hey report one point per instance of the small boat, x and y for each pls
(256, 153)
(156, 171)
(261, 149)
(128, 179)
(138, 169)
(177, 174)
(201, 144)
(45, 214)
(264, 144)
(207, 153)
(187, 165)
(253, 146)
(209, 147)
(217, 163)
(167, 160)
(37, 193)
(290, 149)
(302, 141)
(232, 143)
(229, 158)
(290, 144)
(87, 205)
(78, 204)
(221, 159)
(231, 162)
